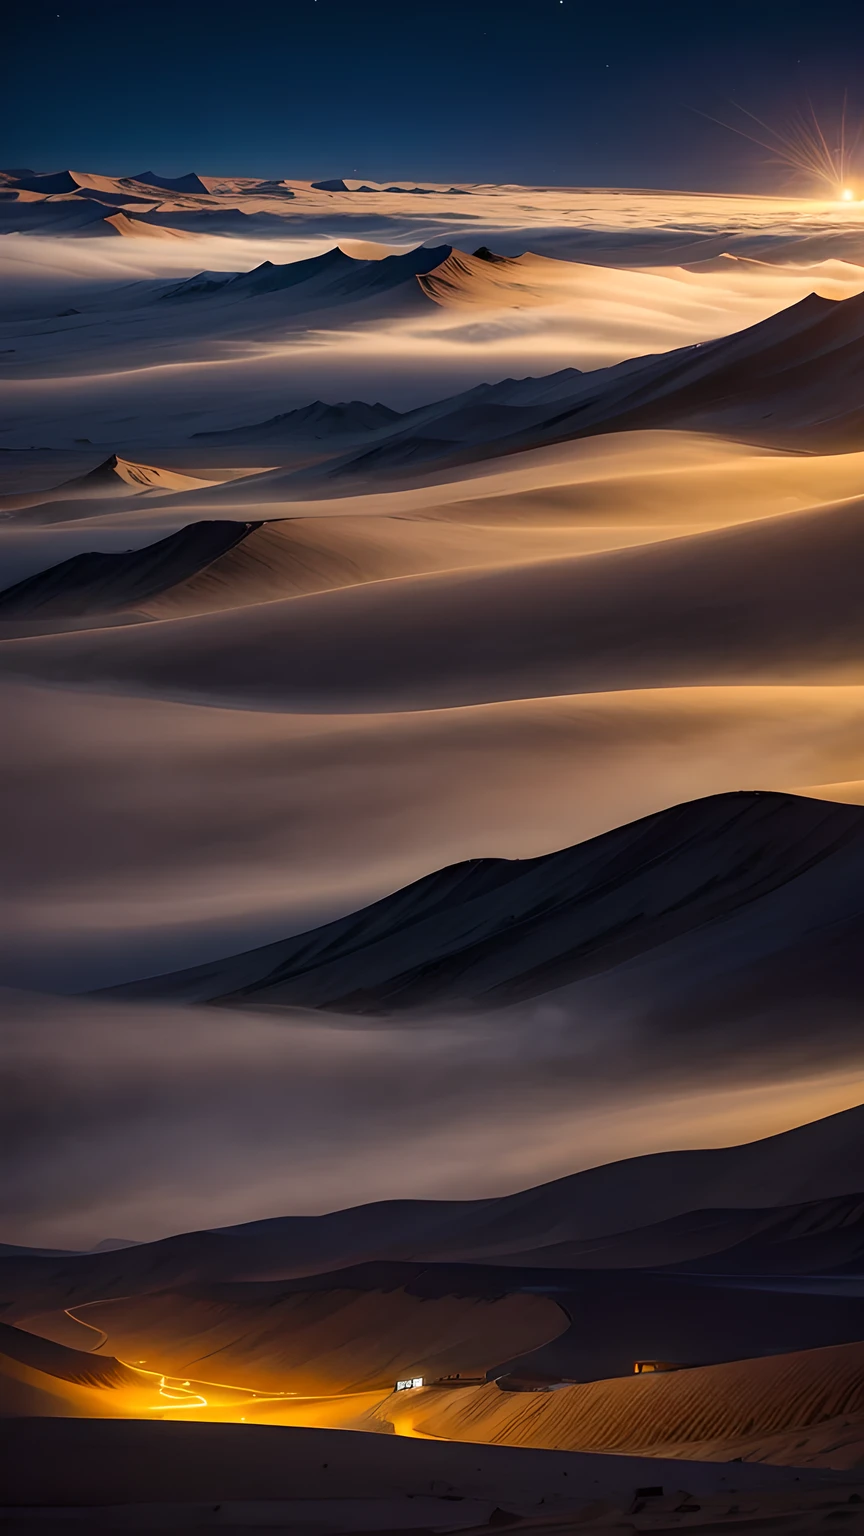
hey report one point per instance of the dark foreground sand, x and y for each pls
(130, 1475)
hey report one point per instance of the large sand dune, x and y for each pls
(202, 1305)
(92, 584)
(215, 565)
(714, 1195)
(760, 1410)
(787, 379)
(816, 1237)
(349, 1328)
(239, 826)
(770, 602)
(762, 873)
(324, 1341)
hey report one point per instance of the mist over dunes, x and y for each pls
(432, 665)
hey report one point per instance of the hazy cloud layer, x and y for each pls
(139, 1121)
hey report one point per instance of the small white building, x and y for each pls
(408, 1383)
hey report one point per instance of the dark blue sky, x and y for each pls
(466, 90)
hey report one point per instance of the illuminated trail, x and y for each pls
(179, 1394)
(103, 1337)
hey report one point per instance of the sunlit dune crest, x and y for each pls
(804, 1409)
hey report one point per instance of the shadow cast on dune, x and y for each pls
(749, 889)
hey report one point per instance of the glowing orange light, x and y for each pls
(847, 195)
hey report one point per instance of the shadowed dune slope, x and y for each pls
(333, 278)
(791, 379)
(815, 1162)
(625, 1315)
(74, 1365)
(216, 565)
(188, 183)
(346, 1328)
(815, 1237)
(317, 422)
(715, 1411)
(772, 601)
(111, 1463)
(97, 583)
(42, 1378)
(793, 373)
(336, 1339)
(494, 932)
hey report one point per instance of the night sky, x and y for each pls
(539, 91)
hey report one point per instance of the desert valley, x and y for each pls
(432, 672)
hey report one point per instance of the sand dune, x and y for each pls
(124, 224)
(319, 282)
(775, 601)
(188, 183)
(142, 837)
(359, 1328)
(816, 1237)
(703, 1414)
(42, 1379)
(603, 1210)
(576, 498)
(306, 555)
(318, 422)
(492, 933)
(652, 228)
(323, 1341)
(651, 481)
(786, 375)
(211, 566)
(488, 280)
(663, 302)
(809, 1161)
(783, 377)
(349, 1329)
(92, 584)
(114, 477)
(525, 313)
(72, 1365)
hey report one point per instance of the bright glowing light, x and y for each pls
(803, 144)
